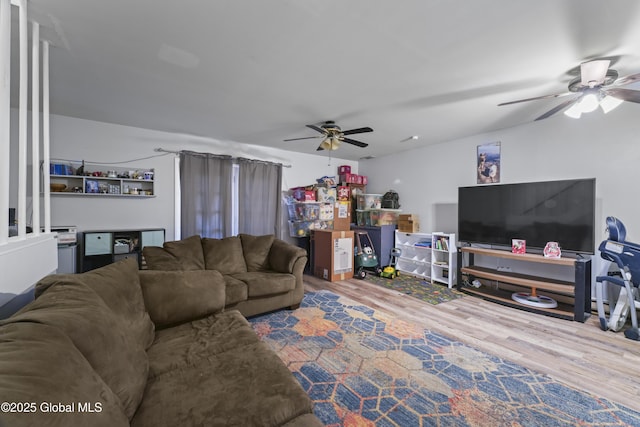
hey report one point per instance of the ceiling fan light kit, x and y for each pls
(593, 90)
(333, 136)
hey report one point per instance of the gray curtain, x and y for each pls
(205, 187)
(259, 189)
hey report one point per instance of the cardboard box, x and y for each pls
(408, 226)
(332, 254)
(342, 216)
(408, 217)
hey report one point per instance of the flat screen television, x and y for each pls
(538, 212)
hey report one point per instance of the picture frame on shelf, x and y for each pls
(91, 186)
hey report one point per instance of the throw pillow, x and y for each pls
(256, 251)
(224, 255)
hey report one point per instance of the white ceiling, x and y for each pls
(257, 71)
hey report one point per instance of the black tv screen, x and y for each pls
(538, 212)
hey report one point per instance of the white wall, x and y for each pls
(602, 146)
(76, 139)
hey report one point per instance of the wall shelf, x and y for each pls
(102, 186)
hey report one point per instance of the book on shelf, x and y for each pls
(442, 243)
(423, 243)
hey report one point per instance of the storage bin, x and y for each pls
(304, 211)
(344, 169)
(377, 217)
(368, 201)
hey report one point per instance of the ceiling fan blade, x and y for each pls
(593, 73)
(354, 142)
(359, 130)
(297, 139)
(624, 94)
(628, 80)
(558, 108)
(557, 95)
(317, 129)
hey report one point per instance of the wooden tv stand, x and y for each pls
(576, 294)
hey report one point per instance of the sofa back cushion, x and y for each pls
(256, 251)
(185, 254)
(224, 255)
(174, 297)
(118, 285)
(102, 336)
(40, 364)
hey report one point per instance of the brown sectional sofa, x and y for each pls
(121, 347)
(261, 273)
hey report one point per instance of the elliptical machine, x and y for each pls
(626, 256)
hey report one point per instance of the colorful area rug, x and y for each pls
(362, 367)
(433, 293)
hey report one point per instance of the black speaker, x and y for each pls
(582, 291)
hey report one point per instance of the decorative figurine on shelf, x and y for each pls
(518, 246)
(552, 250)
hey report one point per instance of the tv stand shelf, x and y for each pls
(507, 282)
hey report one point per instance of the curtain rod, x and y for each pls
(162, 150)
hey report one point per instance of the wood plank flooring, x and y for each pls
(581, 355)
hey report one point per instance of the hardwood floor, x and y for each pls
(581, 355)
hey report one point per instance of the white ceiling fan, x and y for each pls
(597, 85)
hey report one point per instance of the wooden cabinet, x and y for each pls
(499, 284)
(103, 247)
(416, 253)
(332, 254)
(443, 258)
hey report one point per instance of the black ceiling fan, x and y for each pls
(332, 136)
(597, 85)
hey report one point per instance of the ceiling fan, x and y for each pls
(597, 85)
(332, 136)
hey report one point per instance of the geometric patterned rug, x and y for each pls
(362, 367)
(424, 290)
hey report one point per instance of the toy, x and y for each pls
(365, 256)
(390, 271)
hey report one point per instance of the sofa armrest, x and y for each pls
(173, 297)
(283, 256)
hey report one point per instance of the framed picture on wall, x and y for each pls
(488, 169)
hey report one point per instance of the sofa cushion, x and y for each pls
(158, 258)
(173, 297)
(235, 289)
(245, 386)
(187, 344)
(224, 255)
(256, 251)
(261, 284)
(102, 336)
(186, 253)
(118, 285)
(40, 364)
(283, 256)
